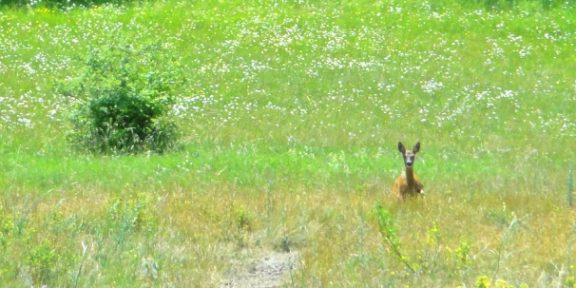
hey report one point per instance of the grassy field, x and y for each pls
(290, 113)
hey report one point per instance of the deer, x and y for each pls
(408, 184)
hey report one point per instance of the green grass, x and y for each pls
(290, 116)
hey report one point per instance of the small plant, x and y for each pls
(483, 282)
(462, 254)
(389, 233)
(570, 280)
(6, 228)
(123, 100)
(42, 260)
(501, 217)
(432, 254)
(504, 241)
(243, 220)
(570, 188)
(242, 226)
(127, 216)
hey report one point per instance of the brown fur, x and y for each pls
(408, 184)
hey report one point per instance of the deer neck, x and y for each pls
(410, 178)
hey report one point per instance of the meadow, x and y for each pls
(290, 115)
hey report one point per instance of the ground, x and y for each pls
(268, 269)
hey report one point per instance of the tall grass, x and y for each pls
(290, 115)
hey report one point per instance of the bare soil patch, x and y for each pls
(268, 270)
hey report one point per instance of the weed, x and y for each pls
(504, 240)
(462, 255)
(389, 233)
(6, 228)
(483, 282)
(570, 280)
(432, 252)
(42, 260)
(570, 186)
(501, 217)
(128, 215)
(243, 220)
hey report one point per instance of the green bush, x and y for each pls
(60, 3)
(516, 4)
(122, 101)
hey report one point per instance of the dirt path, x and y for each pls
(270, 270)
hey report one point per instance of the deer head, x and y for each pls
(409, 155)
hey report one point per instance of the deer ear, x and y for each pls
(401, 148)
(416, 148)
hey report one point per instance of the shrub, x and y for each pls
(500, 5)
(60, 3)
(122, 101)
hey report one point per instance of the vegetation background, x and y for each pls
(289, 116)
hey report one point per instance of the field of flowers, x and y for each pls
(290, 113)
